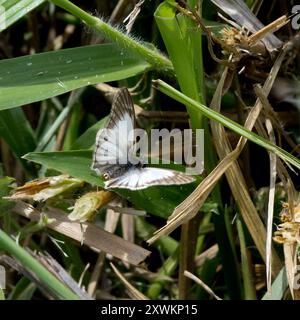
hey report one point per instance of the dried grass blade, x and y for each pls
(208, 254)
(16, 265)
(57, 270)
(111, 222)
(132, 291)
(202, 284)
(273, 175)
(234, 175)
(187, 209)
(94, 237)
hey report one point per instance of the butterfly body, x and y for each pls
(114, 152)
(116, 171)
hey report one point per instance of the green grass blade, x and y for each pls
(74, 125)
(249, 288)
(74, 96)
(180, 32)
(156, 59)
(2, 296)
(18, 291)
(279, 287)
(13, 10)
(37, 77)
(234, 126)
(40, 271)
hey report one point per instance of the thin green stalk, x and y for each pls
(202, 236)
(228, 225)
(7, 244)
(249, 289)
(59, 120)
(145, 230)
(234, 126)
(154, 57)
(17, 293)
(230, 268)
(207, 273)
(73, 127)
(2, 296)
(183, 41)
(167, 269)
(188, 242)
(166, 245)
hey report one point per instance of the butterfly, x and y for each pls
(116, 143)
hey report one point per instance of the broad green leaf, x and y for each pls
(15, 129)
(37, 77)
(13, 10)
(159, 201)
(87, 139)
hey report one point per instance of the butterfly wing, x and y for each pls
(116, 140)
(140, 178)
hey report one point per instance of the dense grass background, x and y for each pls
(60, 64)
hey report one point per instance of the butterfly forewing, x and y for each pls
(116, 140)
(115, 147)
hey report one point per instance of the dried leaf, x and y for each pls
(202, 284)
(238, 11)
(46, 188)
(94, 237)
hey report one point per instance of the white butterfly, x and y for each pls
(116, 143)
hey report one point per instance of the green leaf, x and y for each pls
(22, 286)
(179, 32)
(160, 200)
(87, 139)
(2, 295)
(39, 270)
(145, 51)
(5, 188)
(13, 10)
(279, 287)
(37, 77)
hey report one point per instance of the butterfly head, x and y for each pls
(106, 176)
(115, 171)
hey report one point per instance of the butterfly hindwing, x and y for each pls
(140, 178)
